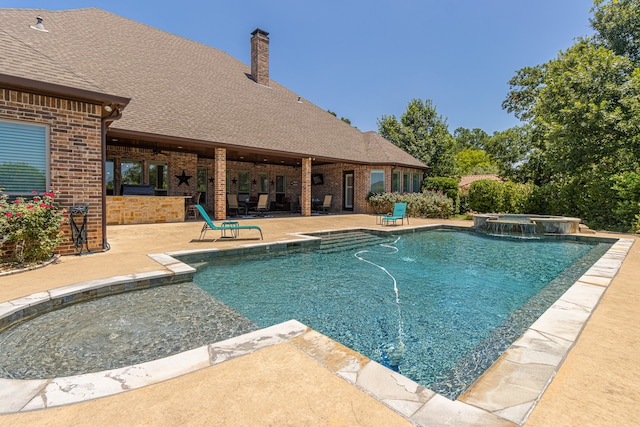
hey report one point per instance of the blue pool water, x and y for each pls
(439, 307)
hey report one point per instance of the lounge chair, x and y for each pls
(263, 204)
(232, 228)
(326, 204)
(399, 213)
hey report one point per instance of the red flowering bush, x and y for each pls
(30, 229)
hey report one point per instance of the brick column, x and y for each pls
(220, 184)
(305, 199)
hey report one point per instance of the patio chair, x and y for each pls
(326, 204)
(233, 227)
(233, 206)
(191, 207)
(399, 213)
(263, 204)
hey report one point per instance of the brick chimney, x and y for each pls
(260, 56)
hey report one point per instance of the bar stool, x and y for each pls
(191, 211)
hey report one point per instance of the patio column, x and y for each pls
(305, 202)
(220, 184)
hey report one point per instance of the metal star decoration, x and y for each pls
(184, 178)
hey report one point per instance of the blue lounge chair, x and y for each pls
(399, 213)
(233, 228)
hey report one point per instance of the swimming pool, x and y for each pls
(510, 388)
(439, 307)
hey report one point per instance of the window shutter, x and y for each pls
(23, 158)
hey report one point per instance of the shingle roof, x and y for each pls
(467, 180)
(179, 88)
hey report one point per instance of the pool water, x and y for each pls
(439, 307)
(116, 331)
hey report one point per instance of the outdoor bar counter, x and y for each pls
(123, 210)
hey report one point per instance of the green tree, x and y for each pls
(583, 112)
(472, 161)
(469, 138)
(422, 133)
(344, 119)
(511, 152)
(618, 24)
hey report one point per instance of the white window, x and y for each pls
(377, 181)
(24, 158)
(243, 181)
(406, 183)
(263, 183)
(416, 182)
(395, 182)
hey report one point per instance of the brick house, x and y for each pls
(107, 108)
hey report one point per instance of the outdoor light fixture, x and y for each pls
(108, 108)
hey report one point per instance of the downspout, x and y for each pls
(105, 120)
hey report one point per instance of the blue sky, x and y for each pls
(367, 58)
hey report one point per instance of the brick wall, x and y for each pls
(333, 183)
(219, 184)
(74, 147)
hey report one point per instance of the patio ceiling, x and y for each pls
(206, 150)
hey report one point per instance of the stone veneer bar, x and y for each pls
(122, 210)
(505, 395)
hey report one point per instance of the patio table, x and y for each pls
(233, 232)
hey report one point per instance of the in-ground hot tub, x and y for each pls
(525, 223)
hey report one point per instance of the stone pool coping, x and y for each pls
(505, 394)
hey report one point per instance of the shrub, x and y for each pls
(448, 186)
(464, 201)
(504, 197)
(30, 230)
(428, 204)
(517, 198)
(627, 187)
(485, 195)
(635, 226)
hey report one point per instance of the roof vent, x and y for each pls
(39, 25)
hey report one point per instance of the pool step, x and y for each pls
(345, 241)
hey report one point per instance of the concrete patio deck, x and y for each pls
(596, 384)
